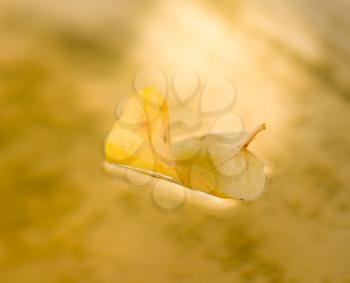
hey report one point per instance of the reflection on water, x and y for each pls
(64, 67)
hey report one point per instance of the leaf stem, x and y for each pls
(253, 134)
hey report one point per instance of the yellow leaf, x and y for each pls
(214, 164)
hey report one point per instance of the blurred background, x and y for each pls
(64, 66)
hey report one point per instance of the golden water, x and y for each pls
(64, 67)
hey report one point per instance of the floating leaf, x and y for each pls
(219, 165)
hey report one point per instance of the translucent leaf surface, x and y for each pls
(217, 164)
